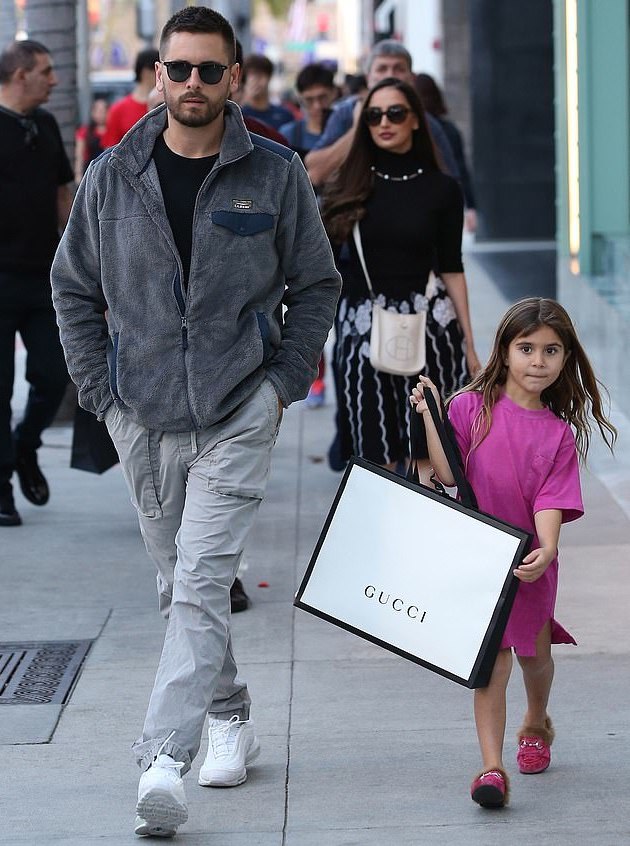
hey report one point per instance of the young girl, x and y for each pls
(513, 426)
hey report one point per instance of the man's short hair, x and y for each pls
(312, 75)
(20, 55)
(203, 20)
(257, 64)
(388, 47)
(145, 60)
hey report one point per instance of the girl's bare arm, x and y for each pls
(436, 453)
(534, 564)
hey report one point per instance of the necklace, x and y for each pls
(405, 178)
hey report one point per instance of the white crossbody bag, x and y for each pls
(397, 341)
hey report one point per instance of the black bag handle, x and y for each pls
(451, 450)
(412, 470)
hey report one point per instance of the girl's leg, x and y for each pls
(538, 676)
(490, 712)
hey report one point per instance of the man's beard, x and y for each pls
(199, 116)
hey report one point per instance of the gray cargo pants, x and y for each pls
(196, 494)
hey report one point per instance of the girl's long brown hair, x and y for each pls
(575, 392)
(344, 200)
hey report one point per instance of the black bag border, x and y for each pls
(88, 453)
(482, 668)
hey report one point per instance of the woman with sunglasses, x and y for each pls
(410, 219)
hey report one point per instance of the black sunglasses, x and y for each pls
(31, 132)
(395, 114)
(209, 72)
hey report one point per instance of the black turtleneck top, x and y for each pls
(410, 228)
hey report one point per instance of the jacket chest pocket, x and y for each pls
(242, 223)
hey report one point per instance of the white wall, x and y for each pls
(419, 24)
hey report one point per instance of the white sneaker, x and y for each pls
(161, 799)
(231, 745)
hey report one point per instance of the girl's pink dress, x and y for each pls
(527, 463)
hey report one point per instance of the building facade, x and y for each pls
(592, 83)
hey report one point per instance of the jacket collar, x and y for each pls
(136, 148)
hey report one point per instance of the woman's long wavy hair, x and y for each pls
(344, 200)
(574, 394)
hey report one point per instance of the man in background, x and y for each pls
(127, 111)
(315, 85)
(388, 58)
(35, 177)
(255, 102)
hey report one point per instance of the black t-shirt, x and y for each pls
(180, 181)
(410, 228)
(33, 164)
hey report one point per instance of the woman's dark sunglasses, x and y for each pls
(395, 114)
(209, 72)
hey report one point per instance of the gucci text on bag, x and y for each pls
(396, 604)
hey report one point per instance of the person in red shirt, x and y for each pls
(89, 137)
(127, 111)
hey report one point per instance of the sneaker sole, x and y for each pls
(145, 829)
(230, 779)
(488, 796)
(160, 811)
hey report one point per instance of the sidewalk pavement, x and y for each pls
(359, 746)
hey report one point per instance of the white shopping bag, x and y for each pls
(415, 572)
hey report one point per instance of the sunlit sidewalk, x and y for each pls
(359, 746)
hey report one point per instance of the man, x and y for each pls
(255, 101)
(35, 177)
(388, 58)
(315, 85)
(128, 110)
(192, 234)
(254, 125)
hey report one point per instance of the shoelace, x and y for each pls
(223, 736)
(169, 763)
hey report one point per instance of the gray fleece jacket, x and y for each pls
(175, 359)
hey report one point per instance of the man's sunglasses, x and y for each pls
(209, 72)
(394, 114)
(31, 132)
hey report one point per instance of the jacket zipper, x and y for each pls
(184, 332)
(210, 177)
(181, 306)
(179, 294)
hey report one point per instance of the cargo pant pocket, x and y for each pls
(139, 452)
(238, 464)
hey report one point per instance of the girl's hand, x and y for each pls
(534, 564)
(417, 395)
